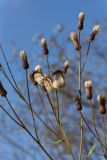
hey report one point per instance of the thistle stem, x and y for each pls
(31, 109)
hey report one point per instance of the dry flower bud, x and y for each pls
(78, 103)
(66, 66)
(48, 83)
(96, 29)
(3, 92)
(24, 59)
(58, 79)
(38, 68)
(102, 102)
(88, 89)
(44, 46)
(74, 39)
(101, 99)
(81, 20)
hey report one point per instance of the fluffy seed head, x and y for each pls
(48, 83)
(38, 68)
(101, 99)
(66, 66)
(88, 84)
(74, 39)
(81, 20)
(44, 46)
(81, 16)
(43, 42)
(23, 56)
(96, 28)
(58, 79)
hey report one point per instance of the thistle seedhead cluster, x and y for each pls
(50, 83)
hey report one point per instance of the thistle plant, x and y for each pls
(50, 86)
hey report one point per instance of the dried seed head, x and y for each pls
(101, 99)
(81, 20)
(66, 66)
(38, 78)
(48, 83)
(31, 75)
(38, 68)
(102, 109)
(88, 84)
(23, 56)
(88, 89)
(78, 103)
(58, 79)
(3, 92)
(44, 46)
(74, 39)
(102, 102)
(96, 29)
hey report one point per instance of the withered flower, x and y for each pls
(38, 69)
(66, 66)
(95, 31)
(88, 89)
(78, 103)
(48, 83)
(44, 46)
(81, 20)
(74, 39)
(3, 92)
(102, 102)
(31, 75)
(58, 79)
(23, 56)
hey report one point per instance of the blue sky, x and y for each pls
(21, 19)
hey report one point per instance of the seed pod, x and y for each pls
(66, 66)
(23, 56)
(95, 31)
(81, 20)
(44, 46)
(78, 103)
(3, 92)
(88, 89)
(102, 102)
(74, 39)
(48, 83)
(58, 79)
